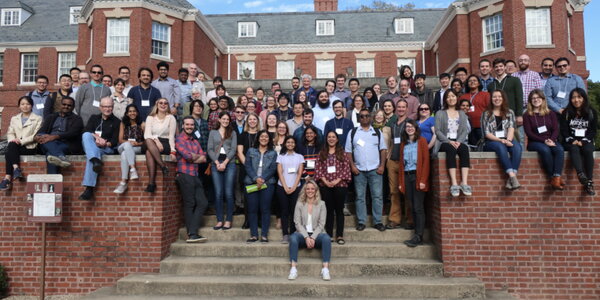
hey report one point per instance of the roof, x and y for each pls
(350, 27)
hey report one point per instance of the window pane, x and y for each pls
(117, 34)
(538, 26)
(247, 29)
(160, 39)
(29, 68)
(493, 36)
(325, 27)
(325, 69)
(65, 62)
(365, 68)
(285, 69)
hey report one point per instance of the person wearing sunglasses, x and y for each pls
(558, 88)
(87, 99)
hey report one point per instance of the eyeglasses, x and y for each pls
(364, 116)
(562, 66)
(97, 72)
(163, 103)
(424, 109)
(106, 106)
(239, 112)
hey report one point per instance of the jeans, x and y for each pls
(54, 148)
(509, 164)
(417, 199)
(374, 181)
(193, 200)
(323, 242)
(334, 202)
(552, 157)
(224, 185)
(521, 131)
(128, 153)
(260, 201)
(92, 151)
(287, 205)
(582, 158)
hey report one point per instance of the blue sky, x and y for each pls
(265, 6)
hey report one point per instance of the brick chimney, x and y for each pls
(326, 5)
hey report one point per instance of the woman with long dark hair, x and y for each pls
(131, 141)
(371, 98)
(309, 147)
(478, 102)
(289, 169)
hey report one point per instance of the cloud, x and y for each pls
(290, 7)
(441, 4)
(253, 4)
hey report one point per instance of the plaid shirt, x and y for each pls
(530, 80)
(186, 145)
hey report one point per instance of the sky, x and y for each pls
(266, 6)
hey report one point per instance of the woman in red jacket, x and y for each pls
(413, 177)
(479, 101)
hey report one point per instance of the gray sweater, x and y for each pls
(441, 129)
(214, 143)
(84, 100)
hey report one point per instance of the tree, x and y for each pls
(378, 5)
(594, 98)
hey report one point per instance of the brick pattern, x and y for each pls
(534, 242)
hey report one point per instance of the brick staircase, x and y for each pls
(372, 264)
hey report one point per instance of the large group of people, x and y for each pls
(299, 153)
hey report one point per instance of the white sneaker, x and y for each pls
(293, 274)
(121, 188)
(325, 274)
(133, 174)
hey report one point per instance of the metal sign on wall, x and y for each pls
(44, 197)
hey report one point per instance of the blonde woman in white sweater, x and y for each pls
(159, 135)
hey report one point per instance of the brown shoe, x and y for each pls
(556, 184)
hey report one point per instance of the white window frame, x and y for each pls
(365, 68)
(1, 68)
(115, 33)
(325, 68)
(493, 39)
(66, 61)
(569, 31)
(325, 27)
(246, 29)
(163, 41)
(74, 12)
(538, 26)
(406, 61)
(404, 25)
(35, 70)
(284, 71)
(14, 21)
(246, 64)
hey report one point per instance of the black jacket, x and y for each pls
(110, 128)
(72, 135)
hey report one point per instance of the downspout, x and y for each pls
(228, 64)
(423, 58)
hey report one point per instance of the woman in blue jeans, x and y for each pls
(498, 125)
(541, 127)
(261, 169)
(309, 216)
(222, 147)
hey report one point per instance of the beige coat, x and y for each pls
(319, 215)
(26, 132)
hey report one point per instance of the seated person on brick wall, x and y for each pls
(578, 125)
(541, 127)
(478, 101)
(20, 136)
(131, 142)
(451, 131)
(100, 136)
(159, 135)
(309, 218)
(60, 135)
(498, 125)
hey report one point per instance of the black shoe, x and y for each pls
(238, 211)
(264, 239)
(360, 227)
(252, 240)
(582, 178)
(151, 188)
(88, 194)
(409, 227)
(589, 188)
(392, 225)
(96, 165)
(18, 174)
(379, 227)
(196, 239)
(245, 225)
(165, 170)
(415, 241)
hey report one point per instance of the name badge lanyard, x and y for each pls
(94, 92)
(142, 97)
(473, 97)
(537, 125)
(100, 126)
(565, 88)
(503, 84)
(335, 123)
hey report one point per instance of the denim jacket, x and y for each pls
(269, 166)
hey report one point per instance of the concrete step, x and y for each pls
(238, 221)
(307, 285)
(279, 266)
(271, 249)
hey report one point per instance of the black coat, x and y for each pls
(72, 136)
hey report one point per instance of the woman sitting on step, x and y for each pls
(309, 217)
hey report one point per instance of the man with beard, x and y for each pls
(144, 95)
(323, 112)
(547, 69)
(168, 87)
(340, 125)
(295, 87)
(307, 120)
(530, 80)
(423, 94)
(413, 102)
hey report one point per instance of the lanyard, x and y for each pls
(566, 82)
(335, 122)
(142, 97)
(473, 96)
(536, 121)
(100, 126)
(94, 92)
(502, 88)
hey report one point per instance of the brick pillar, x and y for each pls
(326, 5)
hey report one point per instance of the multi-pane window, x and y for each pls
(325, 68)
(246, 70)
(325, 27)
(66, 61)
(247, 29)
(493, 37)
(29, 66)
(285, 69)
(74, 12)
(406, 62)
(538, 26)
(161, 39)
(1, 68)
(117, 35)
(404, 25)
(365, 68)
(11, 17)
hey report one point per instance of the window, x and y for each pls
(406, 62)
(11, 17)
(74, 12)
(246, 70)
(247, 29)
(492, 33)
(325, 68)
(66, 61)
(117, 36)
(538, 26)
(1, 68)
(365, 68)
(569, 31)
(29, 66)
(285, 69)
(404, 25)
(161, 39)
(325, 27)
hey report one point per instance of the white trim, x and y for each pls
(168, 41)
(161, 58)
(71, 13)
(21, 75)
(110, 33)
(250, 29)
(325, 23)
(5, 11)
(408, 23)
(62, 46)
(456, 62)
(485, 53)
(60, 61)
(335, 47)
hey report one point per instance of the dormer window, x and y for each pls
(325, 27)
(11, 17)
(246, 29)
(74, 12)
(404, 25)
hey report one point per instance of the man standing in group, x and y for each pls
(558, 88)
(461, 73)
(54, 102)
(514, 92)
(295, 87)
(87, 99)
(340, 89)
(195, 81)
(283, 112)
(185, 89)
(74, 72)
(144, 95)
(340, 125)
(217, 81)
(530, 80)
(168, 87)
(125, 74)
(311, 93)
(362, 146)
(323, 111)
(485, 68)
(296, 121)
(444, 80)
(392, 91)
(547, 69)
(307, 120)
(413, 103)
(40, 95)
(421, 92)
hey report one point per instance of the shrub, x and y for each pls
(3, 282)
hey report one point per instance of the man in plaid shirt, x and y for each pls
(529, 79)
(189, 155)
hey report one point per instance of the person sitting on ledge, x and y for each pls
(131, 142)
(101, 136)
(60, 135)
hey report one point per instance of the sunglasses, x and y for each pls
(96, 72)
(424, 109)
(562, 66)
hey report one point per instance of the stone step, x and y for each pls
(238, 221)
(306, 285)
(271, 249)
(279, 266)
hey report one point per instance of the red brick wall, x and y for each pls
(534, 242)
(98, 242)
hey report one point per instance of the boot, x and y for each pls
(555, 182)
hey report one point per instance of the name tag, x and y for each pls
(500, 134)
(98, 132)
(339, 131)
(310, 164)
(580, 132)
(360, 142)
(561, 94)
(39, 106)
(331, 169)
(131, 140)
(197, 134)
(542, 129)
(145, 102)
(397, 140)
(472, 108)
(96, 103)
(291, 170)
(260, 163)
(223, 151)
(452, 135)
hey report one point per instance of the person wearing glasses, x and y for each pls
(558, 88)
(240, 119)
(427, 124)
(478, 102)
(159, 136)
(87, 100)
(101, 136)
